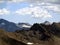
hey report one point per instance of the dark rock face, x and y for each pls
(37, 31)
(37, 27)
(44, 37)
(43, 30)
(55, 29)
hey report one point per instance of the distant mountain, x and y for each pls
(46, 23)
(8, 26)
(24, 26)
(11, 27)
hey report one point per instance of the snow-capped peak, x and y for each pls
(26, 26)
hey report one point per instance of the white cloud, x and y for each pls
(24, 11)
(49, 6)
(34, 11)
(16, 1)
(53, 8)
(33, 1)
(4, 11)
(42, 13)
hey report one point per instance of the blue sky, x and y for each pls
(35, 11)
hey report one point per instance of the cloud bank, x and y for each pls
(35, 11)
(32, 1)
(4, 11)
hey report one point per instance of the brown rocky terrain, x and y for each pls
(7, 39)
(39, 34)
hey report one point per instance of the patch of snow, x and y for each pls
(26, 26)
(29, 43)
(2, 23)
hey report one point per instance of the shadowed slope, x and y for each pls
(6, 40)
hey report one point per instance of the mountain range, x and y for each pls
(24, 33)
(11, 27)
(41, 34)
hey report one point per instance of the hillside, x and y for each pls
(13, 38)
(9, 40)
(39, 34)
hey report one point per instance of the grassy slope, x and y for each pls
(8, 40)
